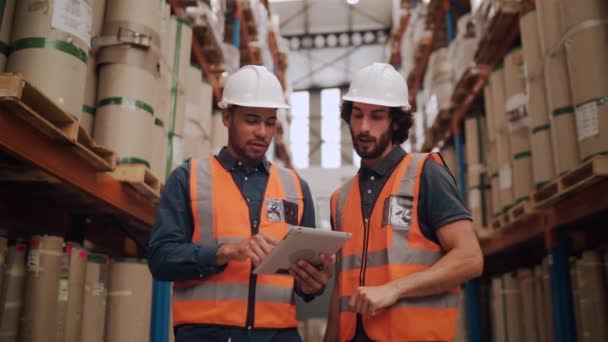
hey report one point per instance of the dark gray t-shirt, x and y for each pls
(438, 202)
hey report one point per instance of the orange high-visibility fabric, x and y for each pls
(231, 220)
(415, 322)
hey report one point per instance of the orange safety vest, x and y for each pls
(392, 246)
(221, 215)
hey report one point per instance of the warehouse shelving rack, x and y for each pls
(549, 230)
(48, 186)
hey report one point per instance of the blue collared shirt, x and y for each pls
(173, 256)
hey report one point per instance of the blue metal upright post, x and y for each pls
(473, 316)
(161, 304)
(236, 32)
(559, 268)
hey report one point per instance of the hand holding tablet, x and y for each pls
(301, 244)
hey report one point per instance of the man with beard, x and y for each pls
(221, 216)
(413, 243)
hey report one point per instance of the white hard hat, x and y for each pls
(378, 84)
(253, 86)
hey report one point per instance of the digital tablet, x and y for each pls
(301, 243)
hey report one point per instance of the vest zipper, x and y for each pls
(364, 258)
(252, 287)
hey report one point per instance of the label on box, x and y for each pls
(505, 177)
(33, 260)
(587, 125)
(474, 198)
(63, 290)
(74, 17)
(178, 151)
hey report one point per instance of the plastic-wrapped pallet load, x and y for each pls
(71, 291)
(519, 131)
(129, 301)
(448, 153)
(160, 141)
(492, 169)
(592, 297)
(559, 97)
(503, 146)
(539, 308)
(463, 48)
(543, 164)
(125, 114)
(129, 64)
(514, 309)
(584, 23)
(50, 47)
(489, 110)
(181, 34)
(7, 9)
(196, 141)
(12, 292)
(219, 133)
(476, 183)
(95, 298)
(39, 322)
(232, 58)
(87, 117)
(528, 305)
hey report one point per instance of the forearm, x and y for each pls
(333, 329)
(455, 268)
(183, 261)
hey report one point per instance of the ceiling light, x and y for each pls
(352, 2)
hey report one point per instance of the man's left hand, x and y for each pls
(367, 300)
(309, 278)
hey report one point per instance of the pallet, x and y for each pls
(497, 223)
(581, 177)
(506, 16)
(21, 98)
(484, 233)
(521, 212)
(249, 21)
(210, 46)
(140, 178)
(466, 84)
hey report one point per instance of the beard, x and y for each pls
(376, 148)
(241, 149)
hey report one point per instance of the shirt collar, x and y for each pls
(388, 163)
(229, 162)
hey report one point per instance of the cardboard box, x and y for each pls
(12, 292)
(71, 293)
(95, 298)
(528, 305)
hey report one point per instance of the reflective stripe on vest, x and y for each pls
(405, 251)
(227, 221)
(449, 299)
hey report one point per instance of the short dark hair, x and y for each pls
(402, 117)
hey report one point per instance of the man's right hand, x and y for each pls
(256, 248)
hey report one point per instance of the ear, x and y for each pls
(226, 116)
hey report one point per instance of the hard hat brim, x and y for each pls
(226, 103)
(378, 102)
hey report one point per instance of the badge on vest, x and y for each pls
(281, 210)
(398, 212)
